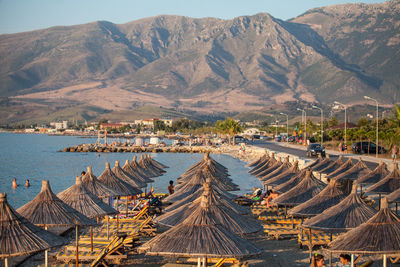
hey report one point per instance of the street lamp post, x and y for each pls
(377, 117)
(276, 126)
(322, 124)
(345, 121)
(287, 127)
(305, 124)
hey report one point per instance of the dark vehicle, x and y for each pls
(278, 138)
(367, 147)
(314, 149)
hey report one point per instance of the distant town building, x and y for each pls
(59, 125)
(111, 125)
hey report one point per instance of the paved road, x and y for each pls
(300, 151)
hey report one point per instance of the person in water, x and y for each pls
(27, 183)
(14, 183)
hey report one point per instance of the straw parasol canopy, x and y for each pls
(316, 162)
(117, 171)
(380, 172)
(199, 235)
(394, 196)
(358, 170)
(388, 184)
(345, 167)
(323, 164)
(109, 179)
(157, 163)
(144, 164)
(294, 180)
(330, 196)
(264, 158)
(379, 235)
(283, 176)
(132, 172)
(219, 210)
(142, 172)
(305, 190)
(18, 236)
(97, 187)
(270, 169)
(286, 165)
(347, 214)
(152, 163)
(264, 166)
(78, 197)
(224, 195)
(332, 166)
(46, 209)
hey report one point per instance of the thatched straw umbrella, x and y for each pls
(200, 236)
(157, 163)
(316, 162)
(286, 165)
(270, 169)
(19, 236)
(388, 184)
(294, 180)
(264, 158)
(264, 166)
(139, 170)
(97, 187)
(78, 197)
(380, 172)
(323, 164)
(224, 195)
(330, 196)
(305, 190)
(394, 197)
(117, 171)
(347, 214)
(332, 166)
(46, 209)
(109, 179)
(358, 170)
(283, 176)
(151, 163)
(219, 210)
(345, 167)
(135, 174)
(379, 235)
(144, 164)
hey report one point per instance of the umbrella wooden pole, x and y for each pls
(384, 260)
(91, 238)
(117, 216)
(108, 228)
(198, 262)
(77, 245)
(330, 254)
(352, 260)
(379, 201)
(6, 262)
(310, 239)
(126, 206)
(46, 254)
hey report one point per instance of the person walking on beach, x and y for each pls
(14, 183)
(345, 260)
(394, 153)
(340, 147)
(171, 187)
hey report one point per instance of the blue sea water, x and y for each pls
(35, 157)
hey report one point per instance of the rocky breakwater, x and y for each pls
(139, 149)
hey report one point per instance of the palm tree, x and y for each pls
(230, 127)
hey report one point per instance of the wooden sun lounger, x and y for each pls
(69, 255)
(318, 239)
(279, 232)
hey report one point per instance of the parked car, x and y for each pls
(278, 138)
(362, 147)
(314, 149)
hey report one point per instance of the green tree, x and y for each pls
(230, 127)
(159, 126)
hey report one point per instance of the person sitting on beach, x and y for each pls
(345, 260)
(256, 194)
(317, 261)
(27, 183)
(14, 183)
(171, 187)
(271, 196)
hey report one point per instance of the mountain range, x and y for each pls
(201, 66)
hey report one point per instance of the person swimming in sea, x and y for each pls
(27, 183)
(14, 183)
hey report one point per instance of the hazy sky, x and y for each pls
(26, 15)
